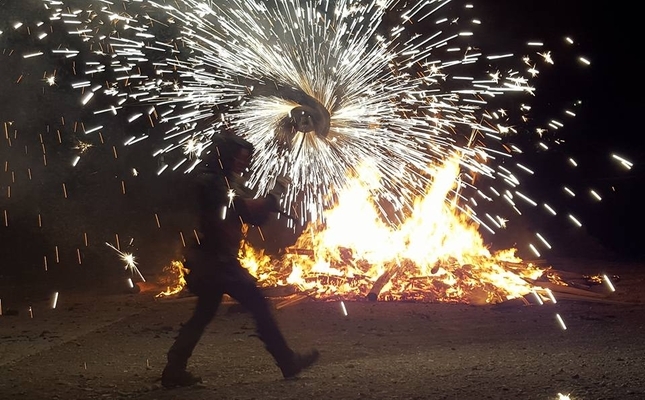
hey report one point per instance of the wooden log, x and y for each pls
(565, 275)
(278, 291)
(294, 299)
(522, 265)
(382, 280)
(575, 297)
(300, 252)
(579, 278)
(555, 288)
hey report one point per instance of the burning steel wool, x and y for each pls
(319, 87)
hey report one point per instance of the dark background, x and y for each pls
(607, 122)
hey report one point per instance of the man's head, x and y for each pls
(241, 160)
(231, 154)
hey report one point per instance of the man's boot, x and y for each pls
(173, 376)
(298, 362)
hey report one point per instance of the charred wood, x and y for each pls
(382, 280)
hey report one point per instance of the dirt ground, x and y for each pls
(112, 346)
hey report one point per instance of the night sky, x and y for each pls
(608, 121)
(610, 92)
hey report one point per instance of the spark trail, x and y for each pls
(329, 92)
(319, 87)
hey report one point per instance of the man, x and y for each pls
(214, 266)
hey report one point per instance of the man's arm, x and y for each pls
(255, 211)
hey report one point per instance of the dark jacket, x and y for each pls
(224, 205)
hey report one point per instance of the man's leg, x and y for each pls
(175, 373)
(242, 288)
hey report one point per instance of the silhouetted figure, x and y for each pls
(225, 204)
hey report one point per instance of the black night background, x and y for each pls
(95, 205)
(56, 219)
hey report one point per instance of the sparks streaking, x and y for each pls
(329, 93)
(130, 263)
(319, 87)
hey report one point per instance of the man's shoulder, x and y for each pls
(208, 177)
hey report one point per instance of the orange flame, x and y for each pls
(437, 254)
(175, 278)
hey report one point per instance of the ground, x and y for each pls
(112, 346)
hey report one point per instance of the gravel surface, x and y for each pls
(112, 346)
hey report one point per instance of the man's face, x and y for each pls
(241, 160)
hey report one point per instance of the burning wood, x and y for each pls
(464, 285)
(294, 299)
(436, 254)
(382, 280)
(557, 288)
(173, 279)
(300, 252)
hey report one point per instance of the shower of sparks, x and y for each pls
(319, 87)
(130, 263)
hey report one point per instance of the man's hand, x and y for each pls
(257, 211)
(280, 187)
(272, 203)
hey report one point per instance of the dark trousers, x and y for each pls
(240, 285)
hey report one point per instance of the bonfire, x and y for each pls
(436, 254)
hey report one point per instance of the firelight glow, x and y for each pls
(384, 115)
(436, 254)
